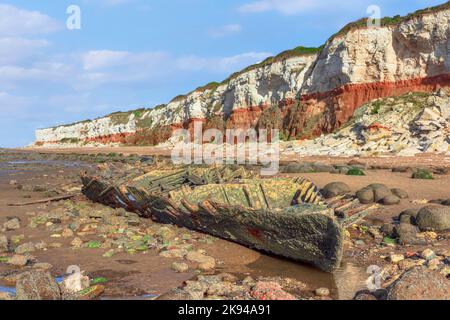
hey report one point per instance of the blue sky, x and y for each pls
(136, 53)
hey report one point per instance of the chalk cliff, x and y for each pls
(316, 91)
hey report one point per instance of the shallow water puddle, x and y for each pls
(344, 283)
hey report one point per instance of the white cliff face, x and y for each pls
(261, 86)
(86, 130)
(417, 48)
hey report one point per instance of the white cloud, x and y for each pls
(14, 50)
(226, 30)
(100, 59)
(18, 22)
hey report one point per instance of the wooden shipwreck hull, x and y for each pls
(285, 217)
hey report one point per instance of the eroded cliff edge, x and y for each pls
(305, 91)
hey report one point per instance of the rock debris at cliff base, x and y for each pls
(404, 126)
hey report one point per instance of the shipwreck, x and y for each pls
(287, 217)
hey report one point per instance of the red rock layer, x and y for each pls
(112, 138)
(339, 104)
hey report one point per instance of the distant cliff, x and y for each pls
(311, 91)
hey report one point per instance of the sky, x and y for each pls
(130, 54)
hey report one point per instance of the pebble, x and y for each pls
(180, 267)
(12, 224)
(396, 258)
(19, 260)
(322, 292)
(77, 243)
(428, 254)
(25, 248)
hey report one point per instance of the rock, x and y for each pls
(422, 174)
(387, 229)
(75, 283)
(355, 172)
(321, 167)
(446, 202)
(335, 189)
(174, 253)
(298, 168)
(396, 258)
(407, 234)
(420, 284)
(428, 254)
(402, 169)
(380, 191)
(265, 290)
(433, 264)
(434, 218)
(12, 224)
(407, 264)
(19, 260)
(402, 194)
(180, 267)
(37, 285)
(67, 233)
(365, 196)
(365, 295)
(166, 234)
(408, 216)
(4, 244)
(322, 292)
(77, 243)
(390, 200)
(25, 248)
(407, 219)
(206, 263)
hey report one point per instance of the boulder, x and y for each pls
(420, 284)
(298, 168)
(320, 167)
(335, 189)
(390, 200)
(37, 285)
(409, 212)
(365, 195)
(380, 191)
(407, 234)
(434, 218)
(446, 202)
(402, 194)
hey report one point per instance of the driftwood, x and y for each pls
(286, 217)
(58, 198)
